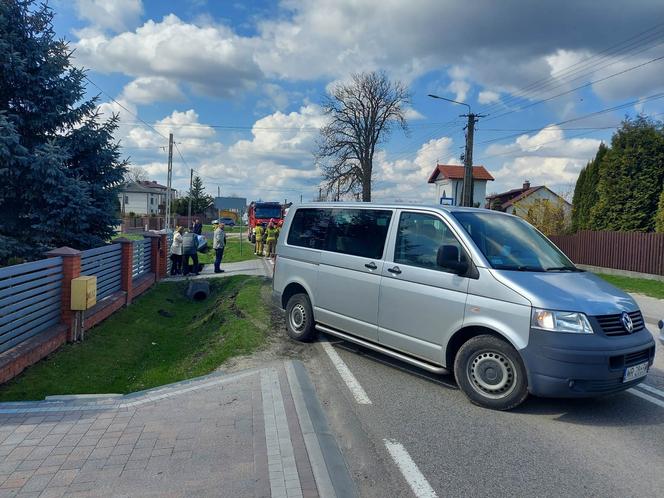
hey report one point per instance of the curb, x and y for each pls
(328, 464)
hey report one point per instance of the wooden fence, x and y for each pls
(631, 251)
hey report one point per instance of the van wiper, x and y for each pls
(529, 268)
(562, 268)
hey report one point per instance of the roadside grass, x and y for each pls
(162, 338)
(231, 253)
(227, 229)
(652, 288)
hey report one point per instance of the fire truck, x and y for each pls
(263, 212)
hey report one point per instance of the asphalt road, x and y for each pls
(612, 446)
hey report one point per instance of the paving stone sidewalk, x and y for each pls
(238, 435)
(262, 267)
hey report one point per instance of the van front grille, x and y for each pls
(612, 324)
(630, 359)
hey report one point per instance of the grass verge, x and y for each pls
(231, 253)
(652, 288)
(162, 338)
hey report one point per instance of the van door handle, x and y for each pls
(371, 266)
(396, 270)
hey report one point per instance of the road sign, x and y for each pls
(231, 203)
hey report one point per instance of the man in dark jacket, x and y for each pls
(190, 249)
(198, 227)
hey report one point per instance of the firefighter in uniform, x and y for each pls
(271, 238)
(259, 239)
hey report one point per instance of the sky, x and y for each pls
(240, 84)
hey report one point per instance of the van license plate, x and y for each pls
(635, 372)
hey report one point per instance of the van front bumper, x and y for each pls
(575, 365)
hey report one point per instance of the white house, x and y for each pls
(448, 181)
(144, 198)
(517, 201)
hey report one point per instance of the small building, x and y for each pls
(517, 201)
(448, 181)
(144, 198)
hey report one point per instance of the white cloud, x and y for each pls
(116, 15)
(283, 136)
(488, 97)
(544, 158)
(211, 59)
(146, 90)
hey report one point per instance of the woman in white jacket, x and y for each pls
(176, 252)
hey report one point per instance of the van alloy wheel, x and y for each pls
(492, 374)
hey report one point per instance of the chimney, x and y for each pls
(526, 185)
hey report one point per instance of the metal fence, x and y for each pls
(106, 264)
(142, 258)
(30, 300)
(631, 251)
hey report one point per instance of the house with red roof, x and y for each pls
(448, 182)
(519, 200)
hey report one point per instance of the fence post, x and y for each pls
(127, 266)
(163, 252)
(155, 256)
(71, 268)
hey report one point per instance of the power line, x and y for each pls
(581, 65)
(123, 107)
(585, 85)
(585, 116)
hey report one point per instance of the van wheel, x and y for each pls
(490, 372)
(300, 318)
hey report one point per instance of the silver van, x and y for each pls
(478, 293)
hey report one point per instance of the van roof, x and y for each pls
(438, 207)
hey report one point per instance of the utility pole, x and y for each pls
(467, 190)
(169, 180)
(191, 184)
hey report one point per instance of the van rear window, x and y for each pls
(358, 232)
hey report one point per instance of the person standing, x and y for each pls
(190, 249)
(197, 227)
(218, 244)
(271, 238)
(176, 252)
(258, 232)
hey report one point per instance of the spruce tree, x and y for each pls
(59, 163)
(199, 199)
(630, 178)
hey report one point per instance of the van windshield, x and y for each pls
(509, 243)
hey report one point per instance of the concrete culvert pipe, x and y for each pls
(198, 290)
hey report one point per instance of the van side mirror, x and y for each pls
(448, 259)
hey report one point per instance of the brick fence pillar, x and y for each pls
(126, 266)
(71, 268)
(155, 254)
(164, 251)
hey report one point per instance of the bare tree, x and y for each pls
(361, 115)
(136, 174)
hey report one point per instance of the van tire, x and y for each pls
(490, 373)
(300, 318)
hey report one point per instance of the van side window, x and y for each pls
(419, 236)
(309, 228)
(358, 232)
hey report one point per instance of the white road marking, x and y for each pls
(647, 397)
(408, 468)
(355, 388)
(651, 389)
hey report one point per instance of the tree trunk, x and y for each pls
(366, 187)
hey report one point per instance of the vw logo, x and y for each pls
(627, 322)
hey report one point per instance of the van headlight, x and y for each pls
(561, 321)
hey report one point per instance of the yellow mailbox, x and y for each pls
(83, 293)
